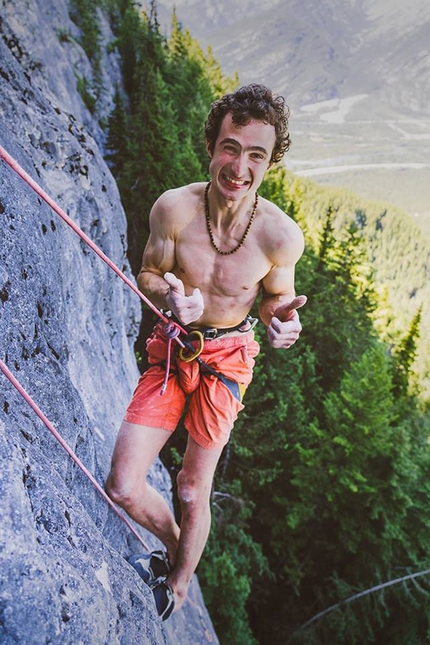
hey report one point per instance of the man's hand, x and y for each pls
(285, 327)
(185, 308)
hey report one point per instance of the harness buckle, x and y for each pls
(210, 334)
(252, 322)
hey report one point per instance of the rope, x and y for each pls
(69, 450)
(35, 186)
(171, 330)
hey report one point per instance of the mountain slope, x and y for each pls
(313, 51)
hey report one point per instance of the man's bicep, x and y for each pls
(287, 252)
(159, 254)
(279, 280)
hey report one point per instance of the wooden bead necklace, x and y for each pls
(208, 223)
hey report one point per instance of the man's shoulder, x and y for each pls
(175, 207)
(276, 216)
(282, 233)
(181, 196)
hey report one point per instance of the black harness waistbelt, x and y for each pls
(210, 333)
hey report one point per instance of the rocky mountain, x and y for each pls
(355, 73)
(67, 328)
(313, 51)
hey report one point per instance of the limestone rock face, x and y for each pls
(67, 327)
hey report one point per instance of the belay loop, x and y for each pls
(172, 330)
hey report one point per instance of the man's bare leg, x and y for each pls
(194, 490)
(136, 448)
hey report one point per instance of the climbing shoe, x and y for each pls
(151, 567)
(164, 599)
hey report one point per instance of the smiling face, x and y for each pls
(241, 157)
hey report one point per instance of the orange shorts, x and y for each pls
(213, 406)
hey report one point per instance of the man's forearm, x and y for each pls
(154, 287)
(269, 305)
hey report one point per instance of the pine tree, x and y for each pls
(404, 357)
(117, 138)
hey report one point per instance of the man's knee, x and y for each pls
(122, 491)
(192, 493)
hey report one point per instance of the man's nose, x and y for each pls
(239, 165)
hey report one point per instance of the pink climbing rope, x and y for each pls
(174, 329)
(35, 186)
(68, 449)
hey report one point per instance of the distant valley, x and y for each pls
(356, 75)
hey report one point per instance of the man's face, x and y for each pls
(241, 157)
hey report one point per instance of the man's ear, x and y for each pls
(208, 150)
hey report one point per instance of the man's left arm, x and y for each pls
(279, 304)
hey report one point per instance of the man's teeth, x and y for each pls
(236, 182)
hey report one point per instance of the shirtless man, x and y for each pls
(213, 248)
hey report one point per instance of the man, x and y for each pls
(213, 248)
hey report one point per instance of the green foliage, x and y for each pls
(395, 248)
(87, 96)
(404, 357)
(156, 138)
(117, 138)
(85, 15)
(323, 491)
(227, 574)
(332, 449)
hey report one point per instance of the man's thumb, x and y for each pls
(174, 283)
(282, 313)
(197, 293)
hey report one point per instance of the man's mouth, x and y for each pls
(239, 183)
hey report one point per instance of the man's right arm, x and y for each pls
(158, 256)
(156, 278)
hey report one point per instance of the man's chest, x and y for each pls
(199, 265)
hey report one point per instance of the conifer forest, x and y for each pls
(324, 490)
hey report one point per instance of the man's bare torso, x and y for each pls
(229, 283)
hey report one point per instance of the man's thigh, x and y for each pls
(136, 448)
(199, 465)
(148, 407)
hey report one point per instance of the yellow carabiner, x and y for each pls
(191, 357)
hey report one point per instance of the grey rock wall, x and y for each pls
(67, 327)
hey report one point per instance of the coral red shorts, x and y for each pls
(213, 405)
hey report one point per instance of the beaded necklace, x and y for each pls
(208, 223)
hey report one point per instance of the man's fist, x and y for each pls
(285, 327)
(186, 308)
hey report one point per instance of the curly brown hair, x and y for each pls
(252, 101)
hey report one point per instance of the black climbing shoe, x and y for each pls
(151, 567)
(164, 599)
